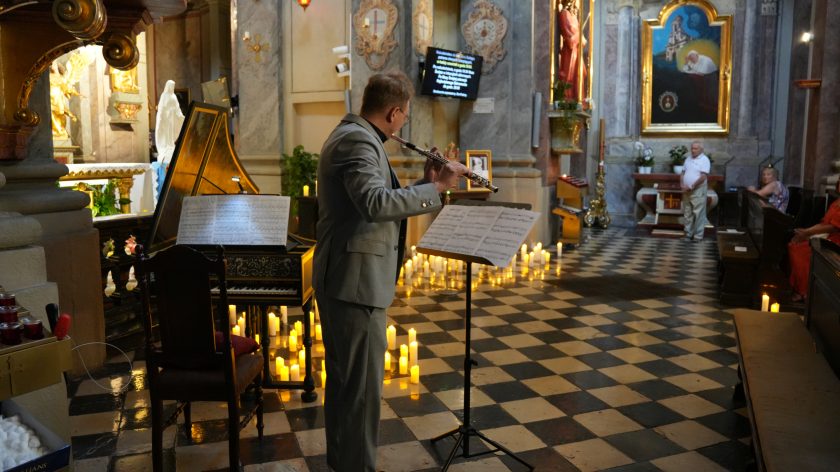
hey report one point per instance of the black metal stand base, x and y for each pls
(462, 439)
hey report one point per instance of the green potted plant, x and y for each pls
(677, 154)
(299, 170)
(566, 120)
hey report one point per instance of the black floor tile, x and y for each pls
(731, 455)
(393, 431)
(651, 414)
(728, 423)
(523, 317)
(657, 389)
(637, 467)
(276, 447)
(487, 417)
(608, 343)
(527, 370)
(662, 368)
(574, 403)
(725, 376)
(202, 432)
(538, 353)
(508, 391)
(559, 431)
(720, 396)
(543, 460)
(99, 403)
(665, 350)
(304, 419)
(440, 337)
(600, 360)
(94, 445)
(590, 379)
(551, 337)
(723, 357)
(668, 335)
(499, 331)
(643, 445)
(443, 381)
(423, 404)
(488, 345)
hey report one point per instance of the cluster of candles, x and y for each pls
(766, 306)
(409, 362)
(437, 271)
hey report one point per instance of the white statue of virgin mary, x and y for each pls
(168, 123)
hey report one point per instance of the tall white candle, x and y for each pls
(765, 302)
(284, 315)
(278, 364)
(559, 251)
(231, 315)
(412, 353)
(319, 334)
(387, 361)
(284, 373)
(403, 365)
(272, 324)
(523, 250)
(295, 373)
(774, 308)
(302, 357)
(392, 337)
(403, 350)
(412, 335)
(415, 374)
(292, 340)
(306, 190)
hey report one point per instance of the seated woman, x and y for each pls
(799, 250)
(771, 189)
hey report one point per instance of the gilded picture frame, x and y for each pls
(374, 24)
(686, 70)
(479, 162)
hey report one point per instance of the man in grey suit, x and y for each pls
(361, 236)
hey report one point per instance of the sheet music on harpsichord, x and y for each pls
(235, 220)
(487, 234)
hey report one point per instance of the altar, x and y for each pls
(660, 196)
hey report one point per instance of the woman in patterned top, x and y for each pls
(771, 189)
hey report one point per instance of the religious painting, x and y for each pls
(686, 70)
(478, 162)
(374, 24)
(571, 33)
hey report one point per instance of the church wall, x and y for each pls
(797, 98)
(177, 54)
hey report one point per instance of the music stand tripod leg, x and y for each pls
(462, 433)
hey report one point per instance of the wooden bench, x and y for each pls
(751, 256)
(793, 395)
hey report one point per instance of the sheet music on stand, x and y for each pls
(241, 220)
(484, 234)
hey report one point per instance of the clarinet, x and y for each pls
(474, 178)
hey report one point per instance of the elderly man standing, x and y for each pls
(694, 184)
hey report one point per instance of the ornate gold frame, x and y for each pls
(486, 153)
(721, 127)
(375, 49)
(584, 88)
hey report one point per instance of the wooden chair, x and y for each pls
(186, 364)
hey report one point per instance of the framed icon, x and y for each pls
(479, 162)
(686, 70)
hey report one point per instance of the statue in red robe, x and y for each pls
(569, 26)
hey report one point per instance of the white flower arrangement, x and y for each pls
(644, 155)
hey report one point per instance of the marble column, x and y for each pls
(625, 56)
(259, 84)
(69, 245)
(216, 40)
(507, 130)
(745, 95)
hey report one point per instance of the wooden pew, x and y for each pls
(751, 256)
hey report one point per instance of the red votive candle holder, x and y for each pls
(7, 299)
(8, 314)
(10, 333)
(33, 328)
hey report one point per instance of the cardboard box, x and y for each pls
(58, 456)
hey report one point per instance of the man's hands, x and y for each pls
(799, 235)
(443, 176)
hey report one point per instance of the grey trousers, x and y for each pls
(694, 212)
(355, 343)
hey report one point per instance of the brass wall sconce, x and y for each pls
(255, 45)
(304, 3)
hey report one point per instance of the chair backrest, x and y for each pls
(176, 284)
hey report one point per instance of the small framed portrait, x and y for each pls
(183, 95)
(478, 162)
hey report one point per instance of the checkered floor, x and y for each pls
(621, 360)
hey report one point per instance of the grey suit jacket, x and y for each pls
(359, 214)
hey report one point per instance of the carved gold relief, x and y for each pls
(124, 80)
(422, 25)
(374, 24)
(485, 31)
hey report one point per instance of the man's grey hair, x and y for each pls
(699, 144)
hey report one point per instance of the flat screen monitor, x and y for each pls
(451, 74)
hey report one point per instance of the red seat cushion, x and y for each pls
(241, 344)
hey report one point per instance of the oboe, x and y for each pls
(475, 178)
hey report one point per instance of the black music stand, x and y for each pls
(492, 231)
(462, 433)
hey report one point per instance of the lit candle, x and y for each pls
(235, 330)
(547, 257)
(272, 324)
(415, 374)
(559, 250)
(403, 365)
(324, 365)
(426, 269)
(319, 335)
(257, 338)
(523, 250)
(403, 350)
(241, 325)
(316, 187)
(284, 373)
(311, 321)
(323, 378)
(412, 335)
(299, 327)
(387, 361)
(231, 315)
(284, 315)
(392, 337)
(279, 363)
(774, 308)
(409, 268)
(295, 373)
(292, 340)
(412, 353)
(306, 190)
(302, 357)
(765, 302)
